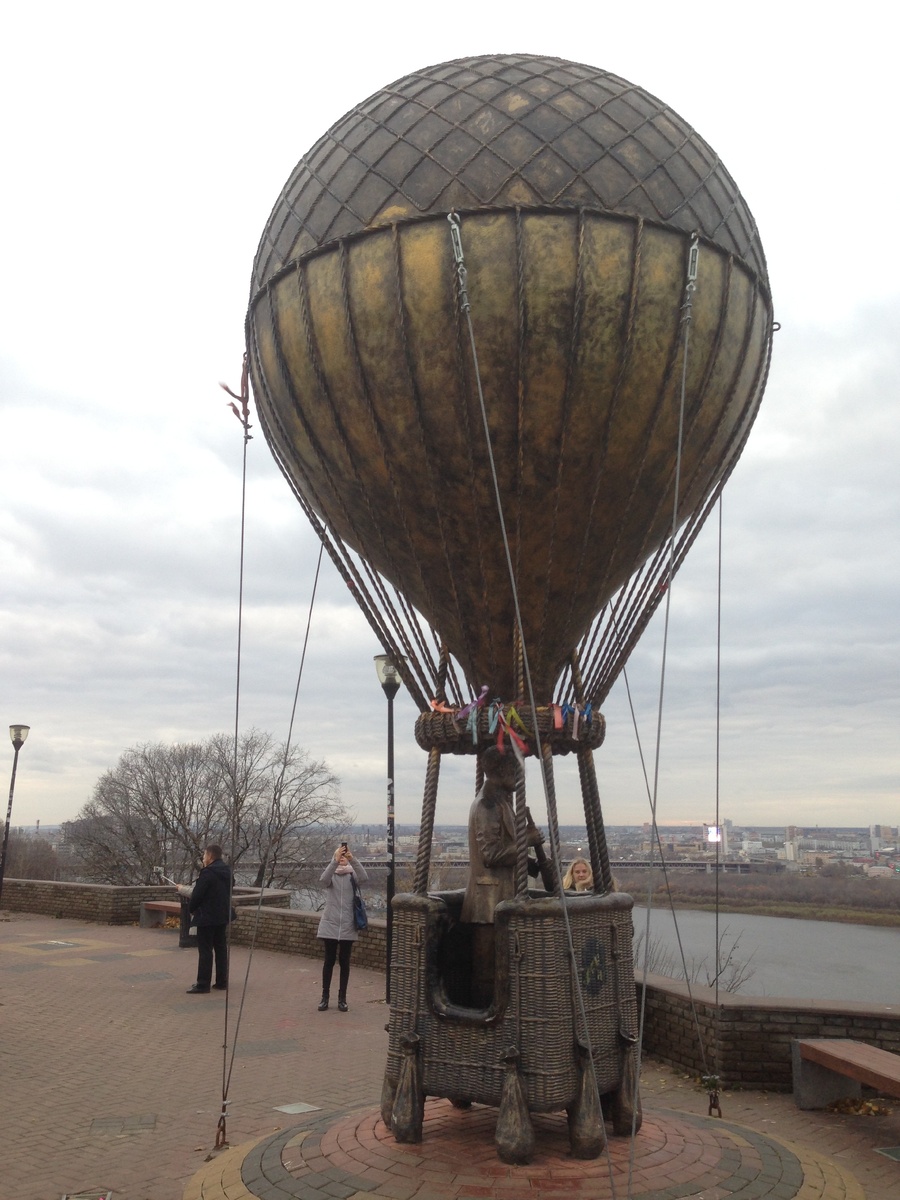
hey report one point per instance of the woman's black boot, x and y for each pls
(342, 1002)
(323, 1003)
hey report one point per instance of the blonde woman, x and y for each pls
(579, 877)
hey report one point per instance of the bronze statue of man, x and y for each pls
(492, 864)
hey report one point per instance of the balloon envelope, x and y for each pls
(578, 195)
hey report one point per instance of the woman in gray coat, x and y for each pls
(337, 927)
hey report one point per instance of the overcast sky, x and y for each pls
(144, 147)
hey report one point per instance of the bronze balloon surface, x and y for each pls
(577, 194)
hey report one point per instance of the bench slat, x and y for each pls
(866, 1064)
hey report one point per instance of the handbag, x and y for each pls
(360, 916)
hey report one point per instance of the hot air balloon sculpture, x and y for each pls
(622, 325)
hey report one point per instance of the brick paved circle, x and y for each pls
(352, 1155)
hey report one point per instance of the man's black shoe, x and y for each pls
(197, 990)
(220, 987)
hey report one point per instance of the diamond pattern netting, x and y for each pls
(500, 131)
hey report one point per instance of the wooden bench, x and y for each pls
(829, 1069)
(154, 912)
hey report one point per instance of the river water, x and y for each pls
(810, 960)
(778, 956)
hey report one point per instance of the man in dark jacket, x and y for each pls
(210, 905)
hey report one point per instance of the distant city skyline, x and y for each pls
(410, 830)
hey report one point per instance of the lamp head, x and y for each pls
(18, 734)
(388, 675)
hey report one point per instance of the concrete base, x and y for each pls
(152, 918)
(816, 1086)
(353, 1155)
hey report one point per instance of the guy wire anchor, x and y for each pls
(711, 1083)
(221, 1131)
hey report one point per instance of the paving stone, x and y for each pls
(269, 1046)
(96, 1043)
(148, 977)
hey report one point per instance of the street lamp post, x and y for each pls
(389, 678)
(17, 735)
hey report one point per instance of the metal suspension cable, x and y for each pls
(553, 826)
(284, 762)
(687, 312)
(717, 1066)
(657, 841)
(713, 1077)
(312, 601)
(243, 415)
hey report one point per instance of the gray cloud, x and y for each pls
(131, 232)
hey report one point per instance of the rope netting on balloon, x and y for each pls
(402, 516)
(430, 673)
(435, 680)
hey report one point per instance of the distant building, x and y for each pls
(716, 835)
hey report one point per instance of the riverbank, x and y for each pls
(841, 896)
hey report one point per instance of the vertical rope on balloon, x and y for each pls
(590, 797)
(591, 793)
(521, 835)
(426, 830)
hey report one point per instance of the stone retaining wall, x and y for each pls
(279, 927)
(103, 903)
(294, 932)
(746, 1039)
(98, 902)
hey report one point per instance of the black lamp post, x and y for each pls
(389, 678)
(17, 735)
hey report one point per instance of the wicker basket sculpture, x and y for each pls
(536, 1043)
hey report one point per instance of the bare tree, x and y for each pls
(30, 856)
(733, 972)
(114, 839)
(286, 806)
(271, 807)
